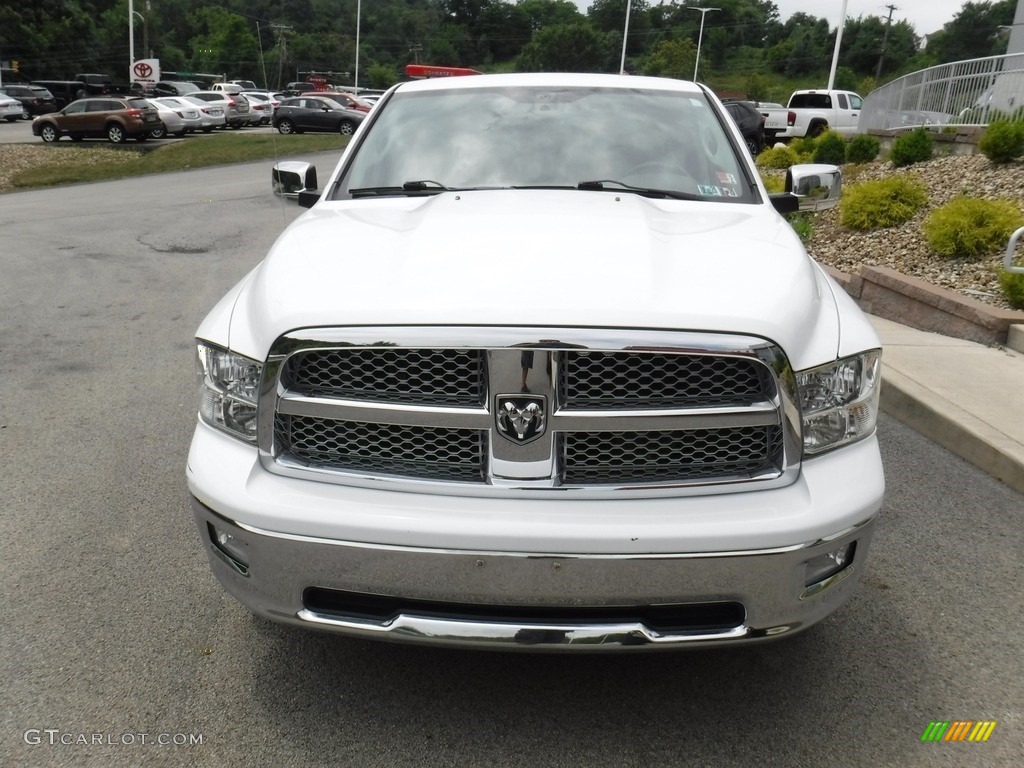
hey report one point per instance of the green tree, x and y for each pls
(564, 48)
(974, 32)
(672, 58)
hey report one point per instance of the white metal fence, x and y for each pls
(973, 92)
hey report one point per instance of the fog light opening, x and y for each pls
(820, 571)
(230, 548)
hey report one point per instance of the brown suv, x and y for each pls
(117, 118)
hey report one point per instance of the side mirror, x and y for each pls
(816, 187)
(290, 178)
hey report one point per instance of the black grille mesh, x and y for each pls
(444, 377)
(635, 380)
(628, 457)
(433, 453)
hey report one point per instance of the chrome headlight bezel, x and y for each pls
(229, 386)
(839, 401)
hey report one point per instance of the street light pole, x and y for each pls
(359, 11)
(700, 37)
(131, 34)
(625, 37)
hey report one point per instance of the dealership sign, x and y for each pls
(145, 72)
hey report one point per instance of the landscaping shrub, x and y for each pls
(777, 157)
(802, 225)
(774, 183)
(913, 147)
(1012, 284)
(969, 228)
(1003, 141)
(830, 148)
(862, 148)
(804, 147)
(881, 203)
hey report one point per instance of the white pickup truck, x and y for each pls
(542, 368)
(812, 112)
(775, 119)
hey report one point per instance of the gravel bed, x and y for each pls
(902, 248)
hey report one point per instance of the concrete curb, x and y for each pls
(884, 292)
(952, 427)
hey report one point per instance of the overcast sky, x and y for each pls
(926, 16)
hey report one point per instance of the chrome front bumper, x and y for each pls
(273, 573)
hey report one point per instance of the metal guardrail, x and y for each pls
(1011, 249)
(972, 92)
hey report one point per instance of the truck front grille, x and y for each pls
(498, 410)
(433, 453)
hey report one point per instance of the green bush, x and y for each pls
(910, 148)
(1013, 288)
(802, 225)
(777, 157)
(774, 183)
(881, 203)
(830, 148)
(1003, 141)
(862, 148)
(804, 147)
(969, 228)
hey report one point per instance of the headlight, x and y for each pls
(839, 401)
(228, 390)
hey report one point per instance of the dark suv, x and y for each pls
(116, 118)
(35, 99)
(750, 122)
(63, 91)
(174, 88)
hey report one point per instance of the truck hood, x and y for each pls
(541, 258)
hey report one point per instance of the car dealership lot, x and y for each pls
(112, 625)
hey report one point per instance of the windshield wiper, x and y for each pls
(419, 187)
(598, 185)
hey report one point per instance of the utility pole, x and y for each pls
(282, 45)
(885, 39)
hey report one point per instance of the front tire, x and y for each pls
(115, 134)
(347, 128)
(49, 133)
(286, 127)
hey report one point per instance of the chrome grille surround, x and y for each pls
(685, 413)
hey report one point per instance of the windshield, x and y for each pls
(549, 136)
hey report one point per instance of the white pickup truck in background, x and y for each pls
(812, 112)
(775, 119)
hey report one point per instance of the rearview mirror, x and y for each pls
(290, 177)
(811, 187)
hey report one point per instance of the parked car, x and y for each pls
(211, 114)
(295, 88)
(316, 113)
(94, 84)
(245, 85)
(226, 88)
(347, 100)
(35, 99)
(174, 88)
(542, 369)
(178, 117)
(10, 108)
(260, 111)
(236, 110)
(117, 118)
(750, 122)
(264, 97)
(63, 91)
